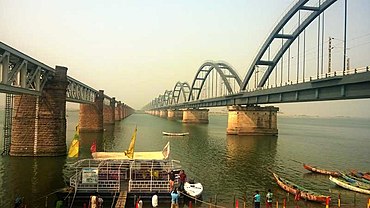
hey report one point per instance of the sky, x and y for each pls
(134, 50)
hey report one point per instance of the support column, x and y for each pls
(39, 123)
(156, 112)
(118, 111)
(174, 114)
(91, 115)
(109, 112)
(252, 120)
(163, 113)
(195, 116)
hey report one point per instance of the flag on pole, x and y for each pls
(93, 147)
(75, 144)
(166, 150)
(130, 152)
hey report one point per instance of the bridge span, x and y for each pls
(270, 79)
(35, 111)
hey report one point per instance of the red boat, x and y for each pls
(322, 171)
(359, 174)
(295, 189)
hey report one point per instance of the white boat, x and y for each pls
(175, 133)
(130, 154)
(193, 189)
(344, 184)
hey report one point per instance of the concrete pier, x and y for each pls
(163, 113)
(109, 112)
(174, 114)
(252, 120)
(39, 123)
(91, 115)
(195, 116)
(118, 111)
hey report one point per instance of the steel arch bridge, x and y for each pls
(344, 84)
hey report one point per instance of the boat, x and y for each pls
(295, 189)
(356, 181)
(358, 174)
(347, 185)
(129, 154)
(175, 133)
(193, 189)
(322, 171)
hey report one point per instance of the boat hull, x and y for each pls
(175, 134)
(305, 194)
(321, 171)
(346, 185)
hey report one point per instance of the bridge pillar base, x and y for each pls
(39, 123)
(156, 113)
(163, 113)
(118, 111)
(195, 116)
(252, 120)
(174, 114)
(109, 113)
(91, 115)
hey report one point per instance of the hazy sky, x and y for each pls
(136, 49)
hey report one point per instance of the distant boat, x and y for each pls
(322, 171)
(295, 189)
(347, 185)
(362, 175)
(175, 133)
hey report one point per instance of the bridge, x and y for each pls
(35, 111)
(271, 78)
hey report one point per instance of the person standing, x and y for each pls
(269, 199)
(174, 198)
(155, 199)
(172, 179)
(182, 180)
(93, 201)
(257, 200)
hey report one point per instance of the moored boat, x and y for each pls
(295, 189)
(193, 189)
(365, 176)
(175, 133)
(355, 181)
(347, 185)
(322, 171)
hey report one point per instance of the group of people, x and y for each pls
(257, 199)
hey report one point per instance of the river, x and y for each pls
(228, 166)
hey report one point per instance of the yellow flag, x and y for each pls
(130, 152)
(75, 144)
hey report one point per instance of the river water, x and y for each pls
(229, 167)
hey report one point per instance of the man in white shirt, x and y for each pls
(155, 199)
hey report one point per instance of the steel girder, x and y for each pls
(181, 88)
(21, 74)
(275, 34)
(205, 70)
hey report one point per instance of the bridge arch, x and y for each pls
(277, 33)
(180, 90)
(226, 72)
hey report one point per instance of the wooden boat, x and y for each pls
(193, 189)
(322, 171)
(347, 185)
(356, 181)
(365, 176)
(295, 189)
(175, 134)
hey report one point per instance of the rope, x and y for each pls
(73, 199)
(114, 197)
(207, 203)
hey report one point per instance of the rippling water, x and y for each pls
(227, 166)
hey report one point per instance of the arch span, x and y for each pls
(226, 72)
(278, 34)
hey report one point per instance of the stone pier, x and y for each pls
(91, 115)
(174, 114)
(195, 116)
(163, 113)
(39, 123)
(109, 112)
(118, 111)
(252, 120)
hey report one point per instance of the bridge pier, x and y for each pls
(39, 123)
(163, 113)
(195, 116)
(91, 115)
(174, 114)
(109, 112)
(252, 120)
(118, 111)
